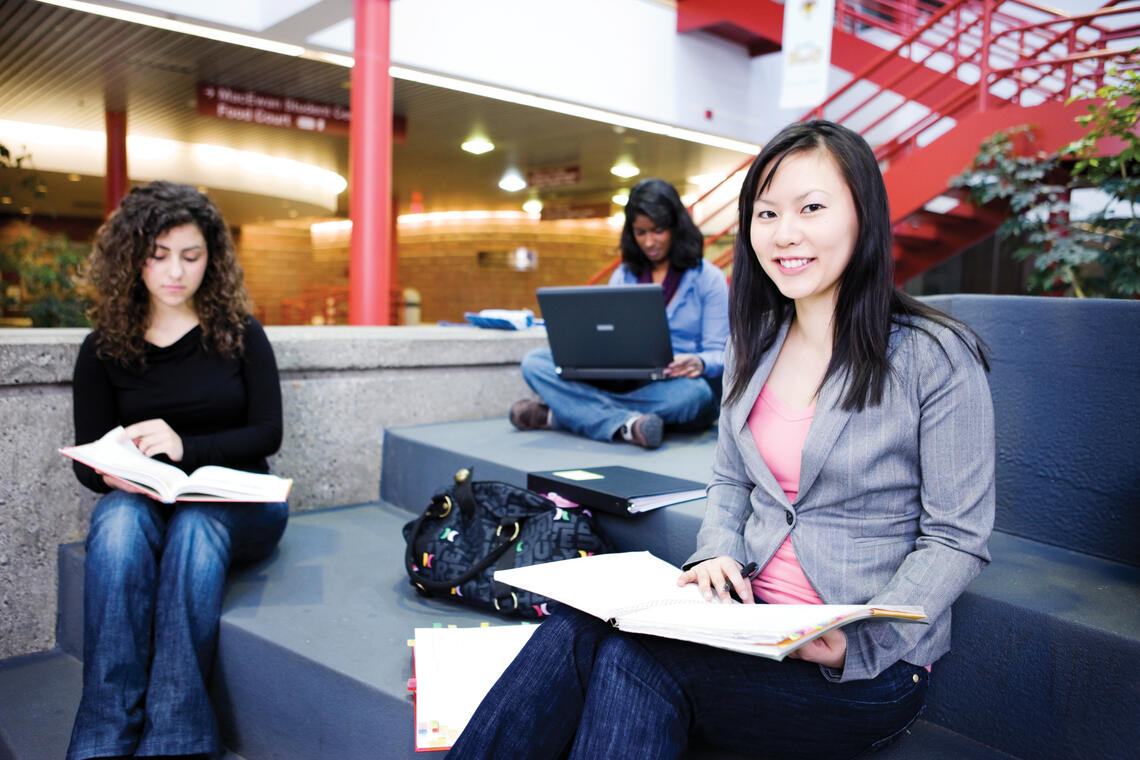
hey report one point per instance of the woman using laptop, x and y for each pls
(854, 465)
(659, 244)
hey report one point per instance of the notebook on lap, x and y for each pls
(618, 332)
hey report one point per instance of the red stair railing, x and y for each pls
(972, 40)
(1032, 59)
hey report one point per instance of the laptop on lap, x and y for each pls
(617, 332)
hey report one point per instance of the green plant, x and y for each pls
(1095, 256)
(17, 174)
(48, 269)
(1114, 117)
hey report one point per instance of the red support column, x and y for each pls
(370, 167)
(115, 180)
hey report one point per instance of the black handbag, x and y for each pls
(471, 529)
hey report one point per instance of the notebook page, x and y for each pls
(604, 585)
(455, 668)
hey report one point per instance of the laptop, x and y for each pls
(616, 332)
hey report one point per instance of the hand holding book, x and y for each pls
(638, 593)
(117, 457)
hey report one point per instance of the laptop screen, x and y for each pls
(617, 332)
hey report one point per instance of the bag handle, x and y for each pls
(514, 528)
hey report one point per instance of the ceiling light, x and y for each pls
(478, 146)
(533, 207)
(624, 169)
(183, 27)
(512, 181)
(621, 198)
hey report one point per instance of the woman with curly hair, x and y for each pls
(659, 244)
(177, 360)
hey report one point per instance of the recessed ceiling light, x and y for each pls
(512, 181)
(621, 198)
(533, 206)
(478, 146)
(624, 169)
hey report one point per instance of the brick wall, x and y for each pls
(284, 262)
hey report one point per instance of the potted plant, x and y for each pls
(1099, 254)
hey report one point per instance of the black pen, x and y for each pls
(748, 572)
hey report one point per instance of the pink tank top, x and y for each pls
(780, 432)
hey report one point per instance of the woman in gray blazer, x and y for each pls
(854, 464)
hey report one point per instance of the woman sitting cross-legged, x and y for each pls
(854, 465)
(659, 244)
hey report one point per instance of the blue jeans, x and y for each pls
(583, 690)
(587, 410)
(154, 577)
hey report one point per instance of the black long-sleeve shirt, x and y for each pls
(227, 411)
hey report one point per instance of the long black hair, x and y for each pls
(658, 200)
(868, 302)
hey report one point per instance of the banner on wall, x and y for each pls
(806, 52)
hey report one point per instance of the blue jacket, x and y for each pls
(698, 314)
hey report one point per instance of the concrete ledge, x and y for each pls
(341, 387)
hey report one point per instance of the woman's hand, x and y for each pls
(830, 649)
(717, 576)
(685, 365)
(154, 437)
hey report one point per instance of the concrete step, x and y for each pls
(418, 461)
(313, 657)
(1046, 659)
(39, 695)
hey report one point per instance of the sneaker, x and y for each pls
(529, 414)
(645, 431)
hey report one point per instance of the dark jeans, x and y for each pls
(581, 689)
(154, 577)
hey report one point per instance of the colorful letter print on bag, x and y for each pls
(471, 529)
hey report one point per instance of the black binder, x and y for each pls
(621, 490)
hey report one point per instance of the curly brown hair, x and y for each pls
(122, 310)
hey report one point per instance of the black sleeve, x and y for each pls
(94, 408)
(260, 436)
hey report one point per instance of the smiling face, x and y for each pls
(805, 226)
(175, 268)
(654, 240)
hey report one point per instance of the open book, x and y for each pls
(114, 455)
(638, 593)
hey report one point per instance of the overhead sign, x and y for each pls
(272, 110)
(556, 177)
(806, 46)
(576, 211)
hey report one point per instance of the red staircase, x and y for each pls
(964, 69)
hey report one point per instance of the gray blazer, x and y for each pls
(895, 503)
